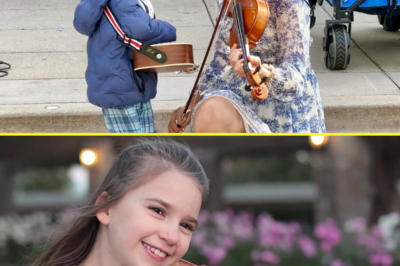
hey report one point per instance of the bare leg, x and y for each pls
(217, 115)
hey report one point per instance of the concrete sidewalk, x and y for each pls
(48, 59)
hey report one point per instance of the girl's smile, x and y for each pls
(155, 252)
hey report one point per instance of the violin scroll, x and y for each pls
(260, 93)
(259, 89)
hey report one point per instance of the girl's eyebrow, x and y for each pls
(160, 201)
(193, 220)
(169, 206)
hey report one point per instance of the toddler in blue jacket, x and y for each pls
(123, 95)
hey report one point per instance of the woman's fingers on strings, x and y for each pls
(254, 60)
(235, 50)
(236, 59)
(233, 58)
(239, 68)
(235, 54)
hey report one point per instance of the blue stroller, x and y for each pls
(336, 42)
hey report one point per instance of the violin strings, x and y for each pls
(241, 35)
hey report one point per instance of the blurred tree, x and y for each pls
(6, 185)
(385, 174)
(357, 176)
(342, 173)
(211, 162)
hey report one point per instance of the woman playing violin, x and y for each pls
(294, 103)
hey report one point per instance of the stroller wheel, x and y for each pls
(381, 19)
(326, 59)
(337, 56)
(391, 23)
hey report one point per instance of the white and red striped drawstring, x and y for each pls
(127, 39)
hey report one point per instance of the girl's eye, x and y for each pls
(157, 210)
(187, 226)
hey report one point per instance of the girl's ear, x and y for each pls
(103, 215)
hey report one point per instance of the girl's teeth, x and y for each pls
(156, 251)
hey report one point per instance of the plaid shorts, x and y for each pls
(136, 118)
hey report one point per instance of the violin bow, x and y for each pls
(193, 95)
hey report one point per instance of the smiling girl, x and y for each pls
(143, 214)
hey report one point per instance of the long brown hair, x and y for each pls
(134, 166)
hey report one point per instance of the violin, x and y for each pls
(250, 18)
(255, 15)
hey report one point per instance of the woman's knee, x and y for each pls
(214, 113)
(213, 109)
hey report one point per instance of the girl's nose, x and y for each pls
(170, 234)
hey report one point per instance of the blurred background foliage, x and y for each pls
(42, 179)
(294, 166)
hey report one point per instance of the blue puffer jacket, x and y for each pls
(109, 74)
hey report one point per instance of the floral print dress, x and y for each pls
(294, 103)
